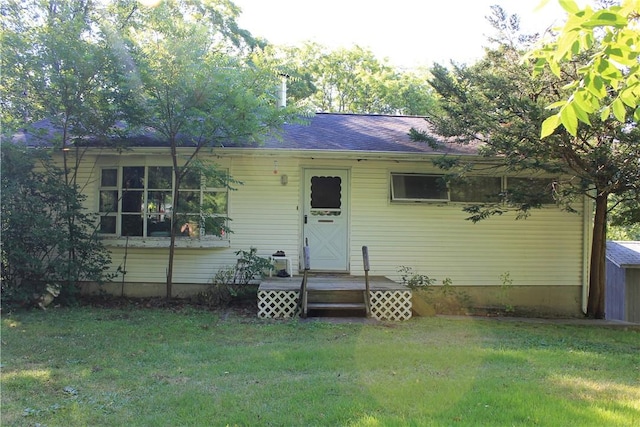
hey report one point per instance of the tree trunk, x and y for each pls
(174, 214)
(595, 303)
(172, 242)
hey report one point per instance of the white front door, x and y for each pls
(326, 218)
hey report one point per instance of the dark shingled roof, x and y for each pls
(359, 132)
(320, 132)
(625, 254)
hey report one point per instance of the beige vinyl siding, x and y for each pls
(149, 265)
(431, 238)
(265, 213)
(435, 239)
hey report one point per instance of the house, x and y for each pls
(340, 182)
(622, 296)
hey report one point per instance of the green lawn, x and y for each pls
(185, 367)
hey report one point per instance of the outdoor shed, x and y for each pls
(622, 298)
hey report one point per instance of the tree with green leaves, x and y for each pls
(499, 102)
(608, 81)
(98, 70)
(199, 86)
(59, 69)
(36, 238)
(350, 81)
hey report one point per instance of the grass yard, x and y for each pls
(185, 367)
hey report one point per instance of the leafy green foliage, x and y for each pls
(414, 280)
(350, 81)
(228, 282)
(498, 103)
(608, 84)
(250, 266)
(63, 69)
(47, 236)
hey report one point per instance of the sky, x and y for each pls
(409, 33)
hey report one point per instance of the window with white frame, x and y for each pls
(532, 190)
(476, 189)
(414, 187)
(137, 201)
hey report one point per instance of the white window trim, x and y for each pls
(395, 199)
(164, 242)
(504, 180)
(116, 240)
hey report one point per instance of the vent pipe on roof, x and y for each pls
(282, 93)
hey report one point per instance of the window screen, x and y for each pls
(326, 192)
(418, 187)
(484, 189)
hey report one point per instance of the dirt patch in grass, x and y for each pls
(241, 308)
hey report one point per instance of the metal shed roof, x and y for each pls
(624, 254)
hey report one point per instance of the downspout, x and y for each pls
(587, 238)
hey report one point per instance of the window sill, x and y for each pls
(163, 242)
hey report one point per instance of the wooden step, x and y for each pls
(336, 306)
(333, 296)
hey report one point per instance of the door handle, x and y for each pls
(305, 219)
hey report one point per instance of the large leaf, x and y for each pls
(581, 114)
(549, 125)
(569, 119)
(570, 6)
(618, 110)
(605, 18)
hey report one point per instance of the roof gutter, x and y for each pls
(300, 154)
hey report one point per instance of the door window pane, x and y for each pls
(326, 192)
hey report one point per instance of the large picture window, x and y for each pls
(137, 201)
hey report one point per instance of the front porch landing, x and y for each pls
(278, 297)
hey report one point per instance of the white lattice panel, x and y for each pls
(391, 305)
(273, 304)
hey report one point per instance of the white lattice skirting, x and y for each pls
(274, 304)
(385, 305)
(391, 305)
